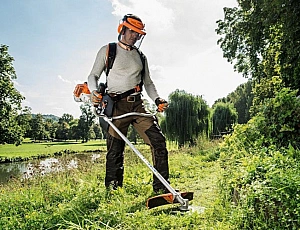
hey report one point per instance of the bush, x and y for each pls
(264, 189)
(261, 180)
(279, 119)
(276, 124)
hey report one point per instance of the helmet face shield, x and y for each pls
(139, 36)
(133, 24)
(139, 41)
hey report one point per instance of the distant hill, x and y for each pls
(49, 116)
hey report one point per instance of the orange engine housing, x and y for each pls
(81, 92)
(81, 88)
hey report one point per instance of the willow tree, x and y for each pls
(241, 98)
(224, 116)
(186, 118)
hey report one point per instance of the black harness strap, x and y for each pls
(110, 58)
(119, 97)
(143, 59)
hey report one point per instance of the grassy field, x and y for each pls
(77, 199)
(30, 150)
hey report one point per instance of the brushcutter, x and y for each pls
(183, 198)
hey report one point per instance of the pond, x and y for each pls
(27, 169)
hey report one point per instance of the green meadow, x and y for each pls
(29, 150)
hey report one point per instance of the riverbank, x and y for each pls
(31, 151)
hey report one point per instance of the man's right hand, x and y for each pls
(96, 98)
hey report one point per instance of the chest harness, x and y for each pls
(110, 58)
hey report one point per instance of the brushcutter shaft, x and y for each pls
(176, 195)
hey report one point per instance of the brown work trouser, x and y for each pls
(149, 130)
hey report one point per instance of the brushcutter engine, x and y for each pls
(82, 93)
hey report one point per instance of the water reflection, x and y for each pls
(25, 170)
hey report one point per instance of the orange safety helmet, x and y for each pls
(132, 22)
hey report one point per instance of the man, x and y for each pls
(129, 74)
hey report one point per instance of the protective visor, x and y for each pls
(134, 25)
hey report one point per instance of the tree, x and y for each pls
(10, 100)
(262, 38)
(97, 130)
(280, 128)
(63, 127)
(50, 128)
(62, 131)
(24, 121)
(186, 118)
(224, 116)
(74, 130)
(132, 134)
(38, 131)
(66, 117)
(85, 121)
(265, 89)
(241, 99)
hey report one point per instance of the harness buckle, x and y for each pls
(131, 98)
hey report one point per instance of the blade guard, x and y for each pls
(167, 198)
(82, 93)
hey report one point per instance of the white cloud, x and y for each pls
(62, 79)
(156, 71)
(33, 94)
(58, 109)
(16, 83)
(155, 15)
(181, 45)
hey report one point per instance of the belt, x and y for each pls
(130, 98)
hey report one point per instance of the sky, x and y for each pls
(54, 44)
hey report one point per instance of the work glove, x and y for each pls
(96, 98)
(161, 104)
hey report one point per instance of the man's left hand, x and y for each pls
(162, 104)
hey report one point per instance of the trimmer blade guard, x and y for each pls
(167, 198)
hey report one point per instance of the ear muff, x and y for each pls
(121, 28)
(132, 24)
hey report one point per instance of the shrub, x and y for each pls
(261, 180)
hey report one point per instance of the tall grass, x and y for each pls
(260, 185)
(77, 198)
